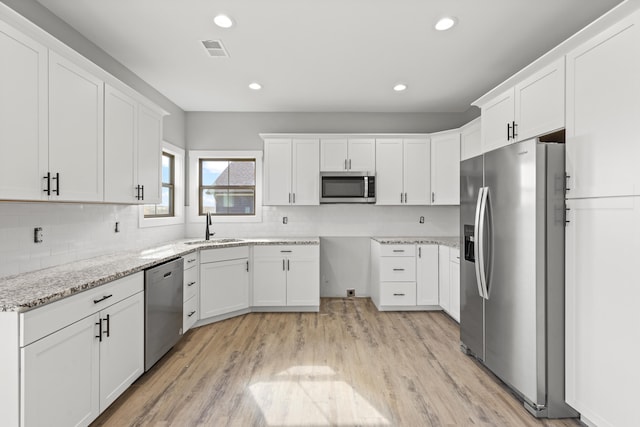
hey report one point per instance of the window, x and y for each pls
(227, 186)
(166, 208)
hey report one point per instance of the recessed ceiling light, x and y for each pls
(255, 86)
(445, 23)
(400, 87)
(223, 21)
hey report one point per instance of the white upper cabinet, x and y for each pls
(445, 168)
(75, 131)
(120, 146)
(470, 140)
(291, 171)
(402, 171)
(347, 155)
(23, 116)
(149, 159)
(603, 93)
(533, 107)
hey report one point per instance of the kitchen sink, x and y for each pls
(213, 241)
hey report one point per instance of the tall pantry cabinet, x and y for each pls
(603, 225)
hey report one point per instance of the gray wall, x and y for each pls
(174, 125)
(229, 131)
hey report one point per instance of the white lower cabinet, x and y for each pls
(427, 275)
(71, 375)
(224, 281)
(443, 278)
(286, 275)
(190, 291)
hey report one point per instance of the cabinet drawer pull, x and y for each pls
(398, 295)
(96, 301)
(288, 252)
(191, 283)
(191, 314)
(398, 269)
(398, 250)
(191, 260)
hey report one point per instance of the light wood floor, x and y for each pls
(348, 365)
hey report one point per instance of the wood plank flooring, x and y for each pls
(348, 365)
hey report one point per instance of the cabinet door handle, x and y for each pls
(508, 131)
(191, 314)
(96, 301)
(57, 180)
(398, 295)
(433, 197)
(419, 252)
(345, 164)
(48, 178)
(294, 198)
(349, 164)
(99, 336)
(514, 132)
(400, 197)
(108, 328)
(247, 266)
(288, 265)
(398, 269)
(191, 283)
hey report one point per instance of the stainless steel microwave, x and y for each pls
(347, 187)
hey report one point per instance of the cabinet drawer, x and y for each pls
(190, 260)
(45, 320)
(398, 293)
(190, 314)
(223, 254)
(398, 250)
(454, 255)
(190, 283)
(397, 269)
(286, 251)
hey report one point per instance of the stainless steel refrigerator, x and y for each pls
(512, 215)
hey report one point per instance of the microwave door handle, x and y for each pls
(366, 187)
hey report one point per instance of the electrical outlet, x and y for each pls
(285, 220)
(351, 293)
(421, 220)
(37, 235)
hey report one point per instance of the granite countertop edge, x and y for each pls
(451, 241)
(23, 292)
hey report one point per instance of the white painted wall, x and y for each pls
(71, 232)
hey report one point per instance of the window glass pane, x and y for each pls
(208, 201)
(149, 210)
(163, 208)
(241, 201)
(166, 169)
(242, 173)
(214, 172)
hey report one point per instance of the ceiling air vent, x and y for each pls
(215, 48)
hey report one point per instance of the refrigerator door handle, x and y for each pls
(478, 243)
(482, 227)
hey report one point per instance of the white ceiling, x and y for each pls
(327, 55)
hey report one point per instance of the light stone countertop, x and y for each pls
(451, 241)
(25, 291)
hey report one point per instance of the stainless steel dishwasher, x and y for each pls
(162, 309)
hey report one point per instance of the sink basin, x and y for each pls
(213, 241)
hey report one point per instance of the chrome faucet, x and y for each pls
(207, 232)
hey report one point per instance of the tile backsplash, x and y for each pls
(70, 231)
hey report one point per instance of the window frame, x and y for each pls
(193, 204)
(179, 164)
(170, 185)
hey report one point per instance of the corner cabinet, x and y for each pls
(533, 107)
(224, 281)
(402, 171)
(286, 276)
(445, 168)
(291, 172)
(470, 140)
